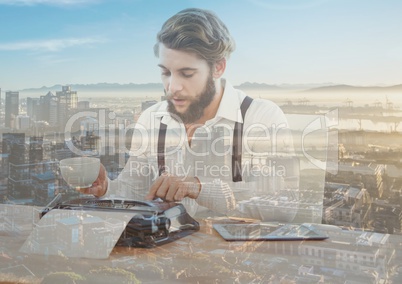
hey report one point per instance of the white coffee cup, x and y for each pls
(80, 172)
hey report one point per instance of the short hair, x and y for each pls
(199, 31)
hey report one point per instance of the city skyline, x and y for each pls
(292, 42)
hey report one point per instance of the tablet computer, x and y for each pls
(269, 232)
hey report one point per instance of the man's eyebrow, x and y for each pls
(187, 69)
(181, 69)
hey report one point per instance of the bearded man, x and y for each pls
(201, 142)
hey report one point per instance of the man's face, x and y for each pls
(188, 83)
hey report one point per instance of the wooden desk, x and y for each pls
(204, 257)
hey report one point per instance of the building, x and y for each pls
(11, 109)
(33, 107)
(23, 122)
(18, 176)
(90, 142)
(13, 144)
(30, 177)
(346, 206)
(83, 105)
(44, 184)
(67, 100)
(48, 109)
(355, 254)
(147, 104)
(35, 149)
(365, 174)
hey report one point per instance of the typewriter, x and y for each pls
(153, 222)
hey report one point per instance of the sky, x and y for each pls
(48, 42)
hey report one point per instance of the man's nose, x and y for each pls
(175, 84)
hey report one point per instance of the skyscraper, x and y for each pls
(33, 108)
(11, 108)
(67, 100)
(48, 109)
(13, 144)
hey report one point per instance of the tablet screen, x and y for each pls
(266, 231)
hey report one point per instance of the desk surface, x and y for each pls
(204, 257)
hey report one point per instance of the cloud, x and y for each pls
(47, 2)
(288, 4)
(52, 59)
(53, 45)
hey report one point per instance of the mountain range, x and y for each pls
(349, 88)
(105, 88)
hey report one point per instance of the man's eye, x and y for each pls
(188, 75)
(165, 73)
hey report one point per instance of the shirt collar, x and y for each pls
(229, 107)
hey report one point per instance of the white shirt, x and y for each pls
(270, 175)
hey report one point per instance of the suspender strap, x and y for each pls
(161, 147)
(237, 142)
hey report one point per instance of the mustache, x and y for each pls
(170, 96)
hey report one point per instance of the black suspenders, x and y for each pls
(237, 144)
(161, 147)
(237, 141)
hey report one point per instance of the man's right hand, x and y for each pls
(99, 186)
(173, 188)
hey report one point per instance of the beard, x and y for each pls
(196, 108)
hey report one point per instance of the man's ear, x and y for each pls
(219, 68)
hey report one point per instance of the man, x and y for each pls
(207, 142)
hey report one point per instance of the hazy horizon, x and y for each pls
(282, 97)
(152, 86)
